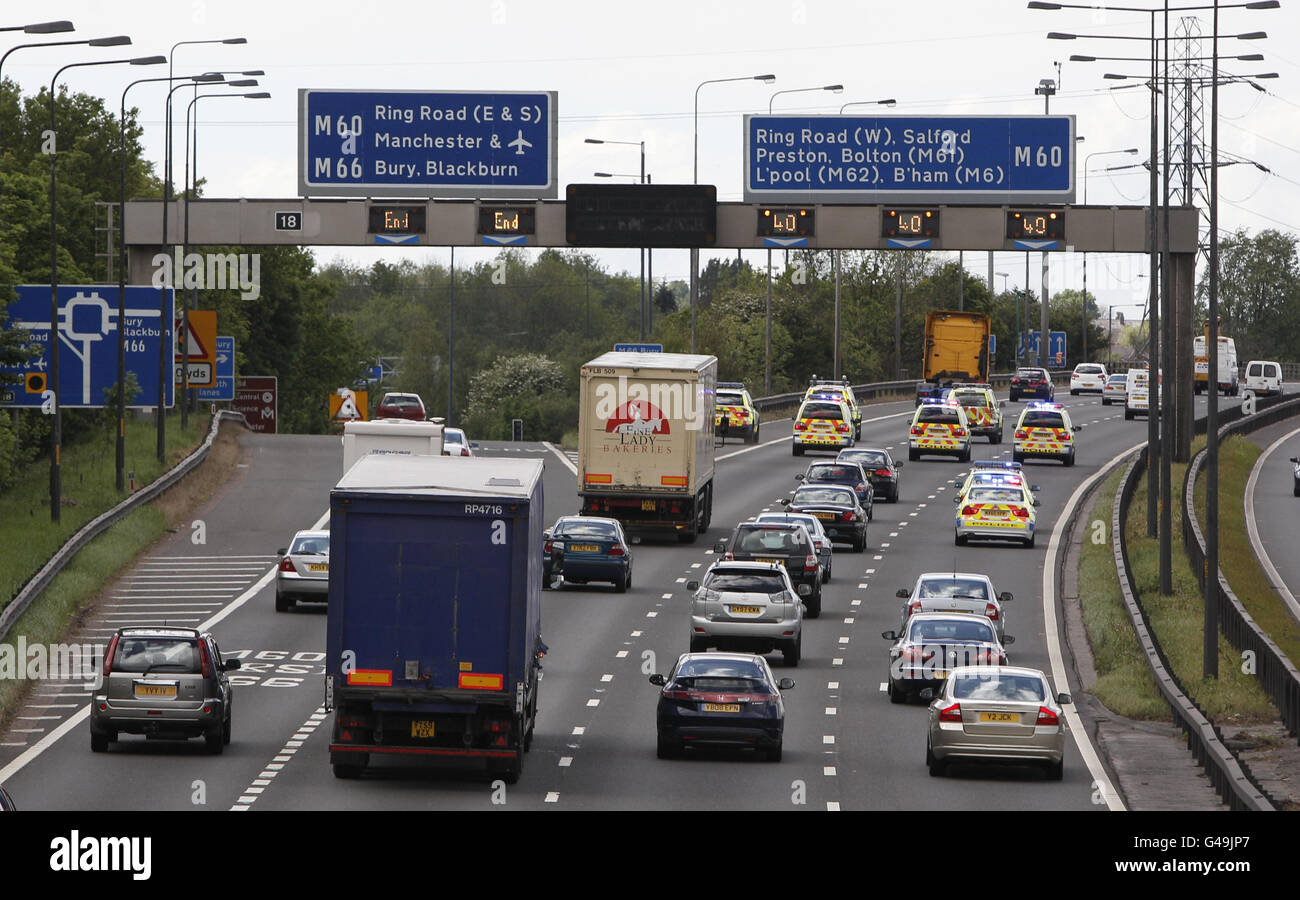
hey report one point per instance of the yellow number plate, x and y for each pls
(422, 728)
(829, 517)
(999, 717)
(318, 567)
(745, 610)
(583, 548)
(779, 562)
(155, 690)
(647, 506)
(722, 707)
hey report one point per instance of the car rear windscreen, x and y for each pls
(1000, 686)
(745, 582)
(156, 654)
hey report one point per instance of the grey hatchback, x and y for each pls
(165, 683)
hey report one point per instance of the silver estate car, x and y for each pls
(163, 682)
(997, 714)
(748, 607)
(304, 570)
(957, 592)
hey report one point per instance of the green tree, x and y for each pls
(1259, 294)
(527, 386)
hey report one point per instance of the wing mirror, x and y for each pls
(720, 547)
(1008, 640)
(1063, 699)
(889, 635)
(927, 694)
(692, 585)
(1005, 597)
(282, 551)
(903, 593)
(658, 680)
(786, 683)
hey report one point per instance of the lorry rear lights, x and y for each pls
(382, 677)
(673, 480)
(599, 479)
(479, 681)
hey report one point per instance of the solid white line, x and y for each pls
(1274, 577)
(560, 455)
(1059, 673)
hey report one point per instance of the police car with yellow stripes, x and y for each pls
(996, 511)
(983, 411)
(822, 425)
(821, 389)
(1044, 430)
(734, 412)
(939, 427)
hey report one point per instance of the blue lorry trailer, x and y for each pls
(433, 636)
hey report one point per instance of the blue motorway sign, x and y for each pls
(912, 159)
(638, 348)
(1055, 348)
(427, 144)
(88, 328)
(225, 387)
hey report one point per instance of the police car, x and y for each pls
(983, 411)
(822, 425)
(996, 511)
(1044, 430)
(734, 412)
(821, 389)
(939, 427)
(991, 472)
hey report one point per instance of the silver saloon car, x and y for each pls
(304, 570)
(997, 714)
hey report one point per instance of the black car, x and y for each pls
(849, 474)
(933, 644)
(841, 514)
(1032, 382)
(720, 699)
(881, 468)
(787, 544)
(1295, 475)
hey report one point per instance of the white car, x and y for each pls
(1263, 377)
(1088, 377)
(454, 443)
(1116, 389)
(956, 592)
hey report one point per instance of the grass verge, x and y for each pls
(1124, 680)
(88, 475)
(1237, 456)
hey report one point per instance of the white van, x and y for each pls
(1138, 401)
(1264, 377)
(1227, 366)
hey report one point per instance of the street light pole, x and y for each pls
(695, 179)
(1131, 151)
(643, 251)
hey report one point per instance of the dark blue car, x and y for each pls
(722, 700)
(579, 549)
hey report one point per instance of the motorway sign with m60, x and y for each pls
(913, 159)
(471, 144)
(88, 336)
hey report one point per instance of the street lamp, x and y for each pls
(42, 27)
(1131, 151)
(890, 102)
(695, 179)
(56, 438)
(120, 478)
(642, 252)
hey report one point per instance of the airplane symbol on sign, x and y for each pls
(519, 143)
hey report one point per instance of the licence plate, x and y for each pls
(583, 548)
(829, 517)
(999, 717)
(779, 562)
(940, 674)
(647, 506)
(155, 690)
(422, 728)
(745, 610)
(996, 513)
(318, 567)
(721, 707)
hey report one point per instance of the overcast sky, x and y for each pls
(628, 72)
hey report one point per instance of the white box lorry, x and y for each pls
(645, 441)
(393, 437)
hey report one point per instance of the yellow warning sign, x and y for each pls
(347, 405)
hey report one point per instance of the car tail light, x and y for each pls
(841, 427)
(991, 611)
(729, 555)
(678, 695)
(915, 430)
(1046, 717)
(860, 487)
(1021, 434)
(205, 661)
(914, 607)
(809, 562)
(883, 473)
(969, 510)
(1020, 512)
(617, 550)
(286, 565)
(800, 426)
(911, 654)
(951, 714)
(847, 517)
(960, 432)
(108, 654)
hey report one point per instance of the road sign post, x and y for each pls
(88, 329)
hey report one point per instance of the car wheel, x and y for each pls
(686, 537)
(793, 651)
(225, 731)
(1069, 460)
(913, 455)
(98, 742)
(893, 498)
(1105, 402)
(827, 577)
(1014, 396)
(814, 605)
(960, 540)
(1128, 414)
(860, 544)
(937, 766)
(1296, 489)
(896, 695)
(212, 741)
(664, 748)
(1029, 542)
(774, 753)
(965, 454)
(1056, 770)
(283, 603)
(621, 584)
(348, 772)
(1074, 393)
(797, 449)
(1017, 457)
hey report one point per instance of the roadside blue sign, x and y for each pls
(918, 159)
(225, 387)
(88, 335)
(638, 348)
(1055, 348)
(993, 345)
(498, 144)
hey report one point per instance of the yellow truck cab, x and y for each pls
(1044, 430)
(939, 428)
